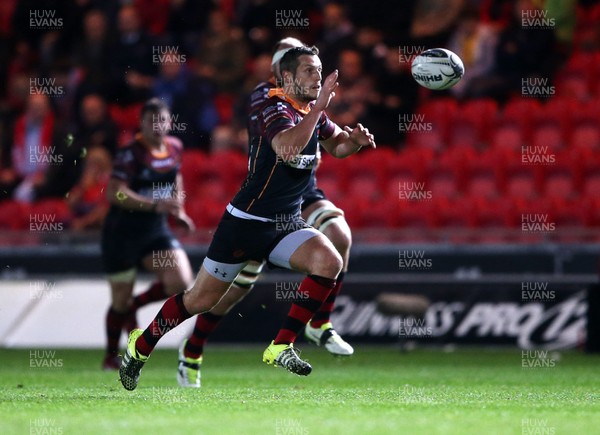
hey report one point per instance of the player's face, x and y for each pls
(155, 126)
(307, 80)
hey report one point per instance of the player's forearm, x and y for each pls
(291, 142)
(344, 146)
(129, 200)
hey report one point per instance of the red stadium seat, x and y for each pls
(441, 113)
(454, 213)
(521, 185)
(54, 208)
(548, 137)
(14, 215)
(482, 113)
(520, 111)
(559, 185)
(508, 137)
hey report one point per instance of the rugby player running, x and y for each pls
(318, 212)
(282, 159)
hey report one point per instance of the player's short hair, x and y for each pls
(288, 42)
(289, 61)
(154, 106)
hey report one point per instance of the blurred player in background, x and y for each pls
(318, 212)
(283, 158)
(144, 190)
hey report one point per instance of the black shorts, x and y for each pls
(312, 196)
(237, 240)
(124, 246)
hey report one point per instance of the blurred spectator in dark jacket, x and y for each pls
(336, 34)
(475, 43)
(191, 99)
(523, 51)
(395, 95)
(222, 54)
(95, 128)
(351, 98)
(93, 53)
(131, 59)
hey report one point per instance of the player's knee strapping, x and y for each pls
(248, 275)
(322, 217)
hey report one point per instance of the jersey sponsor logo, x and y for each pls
(301, 161)
(163, 163)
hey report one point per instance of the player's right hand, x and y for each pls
(327, 91)
(168, 206)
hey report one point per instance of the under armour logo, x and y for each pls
(223, 274)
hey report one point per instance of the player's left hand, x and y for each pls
(360, 136)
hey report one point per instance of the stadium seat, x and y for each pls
(55, 207)
(192, 166)
(520, 111)
(14, 215)
(547, 136)
(482, 113)
(416, 214)
(521, 185)
(378, 214)
(559, 185)
(586, 137)
(441, 112)
(454, 213)
(206, 212)
(508, 138)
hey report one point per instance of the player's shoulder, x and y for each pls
(275, 107)
(174, 142)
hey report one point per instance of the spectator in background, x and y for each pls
(95, 128)
(475, 43)
(369, 41)
(260, 71)
(92, 54)
(191, 100)
(87, 199)
(336, 34)
(222, 54)
(522, 52)
(32, 151)
(396, 94)
(131, 59)
(351, 98)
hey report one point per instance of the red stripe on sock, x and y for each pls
(302, 312)
(171, 315)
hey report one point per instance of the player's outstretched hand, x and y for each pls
(327, 91)
(360, 136)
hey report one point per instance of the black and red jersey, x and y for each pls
(148, 172)
(274, 186)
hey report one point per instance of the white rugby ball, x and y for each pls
(437, 69)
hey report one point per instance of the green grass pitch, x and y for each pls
(380, 390)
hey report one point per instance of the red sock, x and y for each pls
(317, 288)
(114, 323)
(156, 292)
(171, 315)
(326, 309)
(205, 324)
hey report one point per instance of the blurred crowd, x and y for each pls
(73, 73)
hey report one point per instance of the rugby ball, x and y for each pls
(437, 69)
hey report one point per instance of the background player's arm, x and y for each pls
(118, 193)
(348, 141)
